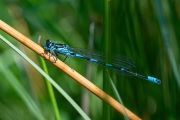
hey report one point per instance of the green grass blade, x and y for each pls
(117, 94)
(51, 92)
(166, 37)
(107, 30)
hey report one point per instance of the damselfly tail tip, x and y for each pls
(158, 81)
(153, 79)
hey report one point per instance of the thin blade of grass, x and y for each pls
(107, 30)
(167, 39)
(51, 92)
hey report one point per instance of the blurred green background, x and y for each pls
(145, 31)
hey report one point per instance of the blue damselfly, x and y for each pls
(123, 66)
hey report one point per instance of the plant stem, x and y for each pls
(106, 83)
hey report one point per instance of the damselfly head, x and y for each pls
(48, 44)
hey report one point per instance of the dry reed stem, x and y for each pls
(65, 68)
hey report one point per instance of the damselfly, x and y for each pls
(123, 66)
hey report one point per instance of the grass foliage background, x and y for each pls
(145, 31)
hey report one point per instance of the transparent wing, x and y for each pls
(117, 62)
